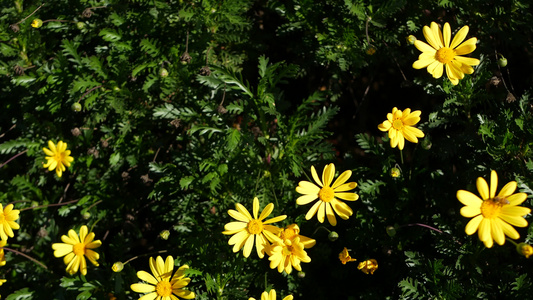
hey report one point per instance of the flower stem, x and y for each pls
(512, 242)
(135, 257)
(19, 154)
(47, 205)
(26, 256)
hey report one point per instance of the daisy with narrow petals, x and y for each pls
(271, 296)
(75, 248)
(162, 285)
(492, 215)
(288, 254)
(328, 195)
(248, 228)
(8, 216)
(440, 54)
(58, 157)
(292, 231)
(400, 124)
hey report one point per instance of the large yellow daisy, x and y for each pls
(75, 249)
(248, 228)
(162, 285)
(327, 195)
(58, 157)
(440, 53)
(8, 216)
(271, 296)
(492, 215)
(400, 127)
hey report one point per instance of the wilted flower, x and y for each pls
(345, 257)
(368, 266)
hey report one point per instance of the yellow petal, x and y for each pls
(307, 188)
(385, 126)
(473, 225)
(240, 208)
(467, 60)
(517, 211)
(493, 184)
(231, 226)
(508, 229)
(447, 34)
(484, 230)
(255, 207)
(347, 196)
(425, 48)
(305, 199)
(238, 216)
(266, 211)
(437, 34)
(508, 189)
(459, 37)
(142, 287)
(328, 174)
(467, 47)
(517, 199)
(248, 245)
(513, 220)
(483, 188)
(331, 216)
(61, 249)
(315, 176)
(470, 211)
(321, 211)
(342, 179)
(497, 232)
(346, 187)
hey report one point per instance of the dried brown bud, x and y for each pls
(75, 131)
(221, 109)
(205, 71)
(104, 143)
(94, 152)
(185, 57)
(14, 27)
(175, 123)
(87, 13)
(510, 97)
(146, 178)
(125, 175)
(18, 70)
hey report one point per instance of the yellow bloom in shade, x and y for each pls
(75, 249)
(525, 249)
(345, 257)
(288, 254)
(58, 157)
(292, 231)
(162, 285)
(492, 215)
(248, 228)
(368, 266)
(2, 254)
(8, 216)
(327, 195)
(271, 296)
(440, 54)
(399, 124)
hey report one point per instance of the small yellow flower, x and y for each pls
(58, 157)
(164, 234)
(75, 249)
(288, 254)
(2, 254)
(395, 172)
(117, 267)
(8, 216)
(162, 285)
(36, 23)
(368, 266)
(327, 194)
(292, 231)
(345, 257)
(524, 249)
(2, 281)
(440, 53)
(400, 127)
(271, 296)
(248, 228)
(492, 216)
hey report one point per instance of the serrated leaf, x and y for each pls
(110, 35)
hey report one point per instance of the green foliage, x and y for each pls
(174, 111)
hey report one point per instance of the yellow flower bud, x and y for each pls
(411, 39)
(525, 249)
(117, 267)
(395, 172)
(164, 234)
(36, 23)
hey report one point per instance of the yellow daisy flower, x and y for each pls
(288, 254)
(492, 216)
(368, 266)
(76, 248)
(400, 127)
(246, 229)
(58, 157)
(292, 231)
(345, 257)
(327, 195)
(440, 54)
(271, 296)
(8, 216)
(162, 285)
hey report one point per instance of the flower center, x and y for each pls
(163, 289)
(79, 249)
(287, 250)
(490, 209)
(326, 194)
(255, 226)
(445, 55)
(397, 124)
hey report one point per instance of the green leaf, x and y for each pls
(23, 80)
(110, 35)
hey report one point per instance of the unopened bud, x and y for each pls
(333, 236)
(164, 234)
(391, 230)
(117, 267)
(36, 23)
